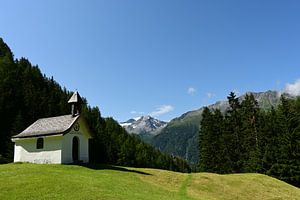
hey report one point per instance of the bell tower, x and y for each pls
(75, 102)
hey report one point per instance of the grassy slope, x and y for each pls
(29, 181)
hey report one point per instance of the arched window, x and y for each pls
(40, 143)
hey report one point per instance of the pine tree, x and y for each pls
(288, 166)
(251, 154)
(220, 156)
(233, 133)
(271, 141)
(204, 139)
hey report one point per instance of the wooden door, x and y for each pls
(75, 149)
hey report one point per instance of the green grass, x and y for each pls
(30, 181)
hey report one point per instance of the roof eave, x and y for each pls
(14, 138)
(48, 134)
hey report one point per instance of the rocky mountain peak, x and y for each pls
(143, 125)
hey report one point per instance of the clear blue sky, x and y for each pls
(163, 57)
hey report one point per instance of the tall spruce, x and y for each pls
(213, 157)
(287, 167)
(204, 140)
(250, 149)
(233, 133)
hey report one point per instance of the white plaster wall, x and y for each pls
(25, 150)
(67, 143)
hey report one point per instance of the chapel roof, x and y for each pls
(49, 126)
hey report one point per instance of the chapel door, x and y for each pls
(75, 149)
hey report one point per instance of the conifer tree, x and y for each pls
(233, 133)
(204, 139)
(250, 154)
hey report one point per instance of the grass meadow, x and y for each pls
(103, 182)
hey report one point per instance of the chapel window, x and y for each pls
(40, 143)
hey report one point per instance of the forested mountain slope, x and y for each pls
(27, 95)
(180, 136)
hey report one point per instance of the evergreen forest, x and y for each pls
(248, 139)
(27, 95)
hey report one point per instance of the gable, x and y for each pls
(80, 127)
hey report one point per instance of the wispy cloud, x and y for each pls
(191, 91)
(293, 88)
(210, 95)
(278, 83)
(161, 110)
(136, 113)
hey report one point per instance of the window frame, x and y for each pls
(40, 143)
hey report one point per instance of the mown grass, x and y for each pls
(208, 186)
(30, 181)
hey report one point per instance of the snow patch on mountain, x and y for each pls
(144, 125)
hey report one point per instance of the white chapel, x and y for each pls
(55, 140)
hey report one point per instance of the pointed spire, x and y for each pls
(75, 101)
(75, 98)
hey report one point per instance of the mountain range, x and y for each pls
(179, 137)
(146, 127)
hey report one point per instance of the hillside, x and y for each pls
(27, 95)
(29, 181)
(180, 136)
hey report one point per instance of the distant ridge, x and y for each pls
(180, 136)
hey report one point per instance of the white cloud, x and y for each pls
(136, 113)
(191, 90)
(161, 110)
(210, 95)
(293, 88)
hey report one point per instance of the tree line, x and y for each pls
(27, 95)
(248, 139)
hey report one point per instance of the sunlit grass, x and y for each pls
(240, 186)
(29, 181)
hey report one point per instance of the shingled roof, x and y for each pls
(49, 126)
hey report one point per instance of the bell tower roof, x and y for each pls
(75, 98)
(75, 102)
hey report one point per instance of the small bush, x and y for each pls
(3, 160)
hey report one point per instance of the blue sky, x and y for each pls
(158, 57)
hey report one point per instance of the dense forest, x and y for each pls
(248, 139)
(27, 95)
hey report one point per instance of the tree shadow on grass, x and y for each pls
(111, 167)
